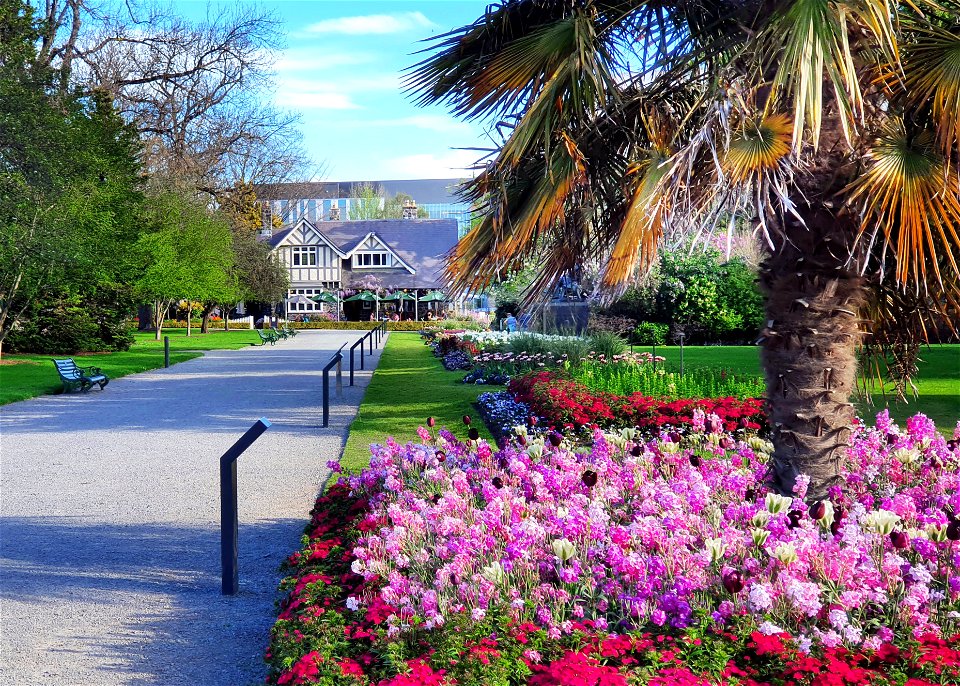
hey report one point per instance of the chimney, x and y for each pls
(334, 213)
(409, 209)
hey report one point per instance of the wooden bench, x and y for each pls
(267, 337)
(81, 379)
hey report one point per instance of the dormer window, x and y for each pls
(372, 259)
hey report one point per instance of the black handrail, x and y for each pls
(337, 357)
(229, 521)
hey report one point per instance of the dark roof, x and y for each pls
(421, 243)
(424, 191)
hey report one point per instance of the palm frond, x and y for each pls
(809, 44)
(758, 147)
(911, 202)
(931, 65)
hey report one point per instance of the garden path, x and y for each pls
(109, 539)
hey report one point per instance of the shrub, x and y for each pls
(533, 344)
(571, 347)
(625, 377)
(607, 344)
(610, 324)
(651, 333)
(69, 325)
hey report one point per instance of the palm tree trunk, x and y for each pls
(809, 352)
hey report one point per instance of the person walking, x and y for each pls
(511, 322)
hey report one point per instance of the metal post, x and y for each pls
(370, 339)
(361, 352)
(229, 521)
(166, 351)
(337, 357)
(681, 354)
(340, 377)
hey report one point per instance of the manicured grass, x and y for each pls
(408, 386)
(27, 376)
(938, 382)
(215, 340)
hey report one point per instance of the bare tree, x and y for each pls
(194, 90)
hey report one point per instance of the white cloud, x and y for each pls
(315, 100)
(369, 24)
(451, 164)
(301, 60)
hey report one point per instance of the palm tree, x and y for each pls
(832, 125)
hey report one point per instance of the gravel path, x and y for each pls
(109, 540)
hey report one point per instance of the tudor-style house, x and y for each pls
(402, 255)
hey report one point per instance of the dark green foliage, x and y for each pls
(607, 344)
(71, 324)
(651, 333)
(698, 294)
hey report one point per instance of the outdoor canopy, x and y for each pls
(326, 297)
(399, 295)
(433, 296)
(364, 295)
(299, 300)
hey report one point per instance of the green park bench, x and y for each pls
(267, 337)
(281, 334)
(79, 378)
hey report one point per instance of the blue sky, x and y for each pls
(341, 69)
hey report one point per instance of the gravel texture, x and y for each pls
(110, 539)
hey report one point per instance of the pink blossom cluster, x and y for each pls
(682, 527)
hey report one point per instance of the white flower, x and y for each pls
(786, 553)
(760, 518)
(776, 503)
(353, 604)
(880, 521)
(759, 536)
(563, 549)
(716, 548)
(907, 456)
(493, 573)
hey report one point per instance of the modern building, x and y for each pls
(351, 256)
(323, 201)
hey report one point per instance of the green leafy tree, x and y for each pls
(69, 184)
(186, 254)
(833, 127)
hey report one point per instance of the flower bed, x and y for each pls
(502, 413)
(566, 404)
(662, 562)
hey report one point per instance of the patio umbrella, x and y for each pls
(368, 297)
(433, 296)
(399, 295)
(330, 299)
(325, 297)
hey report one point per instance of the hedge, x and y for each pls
(391, 326)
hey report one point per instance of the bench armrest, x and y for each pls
(90, 371)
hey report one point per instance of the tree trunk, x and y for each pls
(159, 310)
(189, 316)
(205, 319)
(809, 352)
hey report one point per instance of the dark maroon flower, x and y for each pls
(953, 531)
(636, 451)
(467, 420)
(674, 436)
(750, 495)
(497, 482)
(431, 422)
(589, 478)
(695, 460)
(727, 443)
(818, 510)
(555, 439)
(521, 440)
(435, 498)
(473, 434)
(533, 420)
(441, 456)
(899, 539)
(835, 527)
(733, 581)
(794, 517)
(892, 438)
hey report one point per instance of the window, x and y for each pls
(304, 257)
(372, 259)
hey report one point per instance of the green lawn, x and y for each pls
(27, 376)
(215, 340)
(938, 381)
(408, 386)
